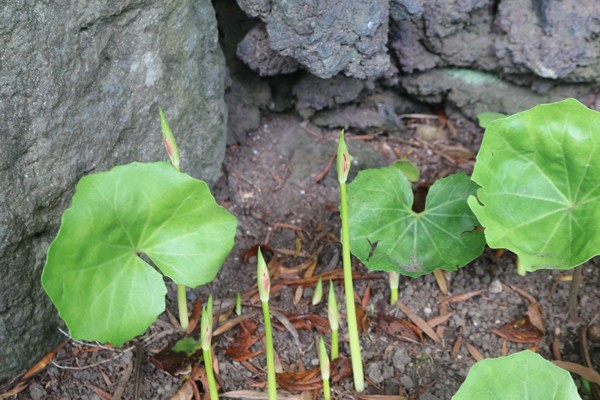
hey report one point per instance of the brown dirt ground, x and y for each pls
(275, 184)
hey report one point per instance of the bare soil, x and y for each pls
(277, 184)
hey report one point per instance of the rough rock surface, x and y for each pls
(473, 92)
(83, 99)
(328, 37)
(246, 94)
(256, 53)
(509, 37)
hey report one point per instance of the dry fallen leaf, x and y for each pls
(585, 372)
(520, 330)
(419, 322)
(296, 382)
(399, 328)
(462, 297)
(239, 349)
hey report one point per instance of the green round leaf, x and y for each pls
(539, 172)
(409, 169)
(485, 118)
(94, 273)
(523, 375)
(386, 234)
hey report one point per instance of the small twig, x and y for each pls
(137, 377)
(122, 385)
(119, 355)
(323, 174)
(573, 291)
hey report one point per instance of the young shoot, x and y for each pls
(343, 169)
(318, 294)
(205, 339)
(334, 320)
(394, 283)
(325, 368)
(238, 303)
(173, 152)
(264, 289)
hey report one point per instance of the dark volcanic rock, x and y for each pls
(330, 36)
(551, 39)
(255, 52)
(80, 87)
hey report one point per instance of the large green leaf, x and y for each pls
(386, 234)
(523, 375)
(94, 273)
(539, 172)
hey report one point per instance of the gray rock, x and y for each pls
(80, 87)
(374, 112)
(314, 94)
(246, 94)
(401, 359)
(473, 92)
(328, 37)
(255, 52)
(515, 37)
(374, 372)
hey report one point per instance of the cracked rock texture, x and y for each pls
(327, 36)
(547, 38)
(80, 87)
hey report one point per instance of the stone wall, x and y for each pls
(80, 87)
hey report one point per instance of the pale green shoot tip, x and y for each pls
(318, 294)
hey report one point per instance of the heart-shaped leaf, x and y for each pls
(386, 234)
(539, 172)
(523, 375)
(95, 273)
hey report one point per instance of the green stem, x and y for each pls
(271, 381)
(326, 389)
(210, 375)
(394, 296)
(334, 344)
(182, 303)
(520, 267)
(357, 367)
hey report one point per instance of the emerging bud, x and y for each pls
(264, 281)
(318, 294)
(332, 309)
(324, 360)
(169, 140)
(205, 329)
(343, 160)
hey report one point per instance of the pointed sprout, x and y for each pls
(169, 140)
(332, 309)
(318, 294)
(264, 281)
(209, 307)
(324, 360)
(205, 329)
(238, 303)
(343, 160)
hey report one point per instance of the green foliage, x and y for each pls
(409, 169)
(96, 274)
(485, 118)
(187, 345)
(523, 375)
(540, 197)
(386, 234)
